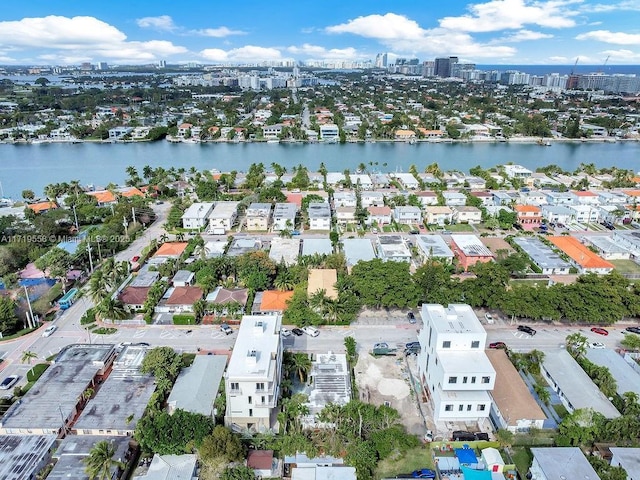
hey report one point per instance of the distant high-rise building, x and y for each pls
(86, 66)
(162, 64)
(428, 68)
(381, 60)
(443, 66)
(102, 66)
(296, 72)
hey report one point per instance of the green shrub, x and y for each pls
(88, 317)
(36, 372)
(105, 330)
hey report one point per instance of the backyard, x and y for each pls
(414, 459)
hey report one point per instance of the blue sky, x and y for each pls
(35, 32)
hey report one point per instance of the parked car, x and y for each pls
(285, 332)
(489, 318)
(411, 316)
(413, 345)
(135, 258)
(423, 473)
(526, 329)
(226, 329)
(9, 382)
(297, 332)
(462, 436)
(498, 345)
(600, 331)
(428, 437)
(311, 331)
(633, 330)
(482, 436)
(49, 330)
(597, 345)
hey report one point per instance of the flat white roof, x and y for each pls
(258, 340)
(629, 459)
(575, 384)
(627, 379)
(357, 249)
(285, 249)
(196, 388)
(564, 463)
(22, 455)
(455, 318)
(434, 246)
(198, 210)
(321, 246)
(465, 361)
(471, 246)
(224, 209)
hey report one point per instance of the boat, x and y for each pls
(544, 143)
(272, 141)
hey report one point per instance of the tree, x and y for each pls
(174, 434)
(28, 194)
(576, 344)
(504, 437)
(301, 365)
(110, 309)
(28, 356)
(239, 472)
(631, 341)
(384, 284)
(57, 261)
(100, 463)
(8, 317)
(221, 443)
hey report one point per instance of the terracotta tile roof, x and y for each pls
(295, 198)
(583, 193)
(527, 209)
(632, 193)
(132, 192)
(579, 253)
(171, 249)
(103, 196)
(42, 206)
(134, 295)
(274, 300)
(226, 295)
(379, 210)
(260, 459)
(184, 296)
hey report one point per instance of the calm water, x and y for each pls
(34, 166)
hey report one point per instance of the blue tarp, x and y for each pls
(471, 474)
(72, 244)
(32, 282)
(466, 456)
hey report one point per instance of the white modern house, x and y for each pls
(197, 215)
(407, 215)
(345, 199)
(284, 216)
(454, 370)
(372, 199)
(253, 376)
(223, 216)
(319, 216)
(329, 132)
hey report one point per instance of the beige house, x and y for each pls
(258, 216)
(437, 215)
(323, 279)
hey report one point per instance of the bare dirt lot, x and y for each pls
(385, 379)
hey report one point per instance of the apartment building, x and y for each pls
(253, 376)
(284, 216)
(223, 216)
(258, 216)
(454, 369)
(319, 216)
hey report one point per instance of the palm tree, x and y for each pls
(201, 252)
(110, 309)
(199, 307)
(319, 301)
(180, 237)
(576, 344)
(284, 281)
(99, 286)
(28, 356)
(164, 238)
(100, 462)
(302, 365)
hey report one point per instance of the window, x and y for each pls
(249, 400)
(448, 408)
(446, 344)
(464, 379)
(453, 379)
(235, 386)
(481, 407)
(460, 407)
(473, 379)
(469, 408)
(251, 412)
(486, 379)
(475, 344)
(260, 386)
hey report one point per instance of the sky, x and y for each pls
(69, 32)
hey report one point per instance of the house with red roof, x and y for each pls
(528, 216)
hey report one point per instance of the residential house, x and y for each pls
(258, 216)
(452, 199)
(329, 132)
(177, 467)
(379, 215)
(455, 373)
(513, 408)
(345, 199)
(607, 247)
(533, 197)
(133, 298)
(323, 279)
(285, 250)
(407, 180)
(502, 198)
(371, 199)
(42, 207)
(433, 247)
(335, 178)
(585, 197)
(517, 172)
(528, 217)
(548, 261)
(319, 216)
(552, 463)
(272, 132)
(170, 250)
(407, 215)
(223, 216)
(316, 246)
(252, 381)
(465, 214)
(357, 249)
(196, 388)
(485, 197)
(104, 197)
(263, 463)
(345, 215)
(362, 180)
(427, 198)
(284, 216)
(557, 214)
(226, 296)
(469, 250)
(560, 198)
(118, 133)
(183, 278)
(393, 247)
(627, 458)
(179, 300)
(585, 213)
(271, 302)
(437, 215)
(241, 245)
(581, 256)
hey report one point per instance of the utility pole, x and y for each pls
(32, 322)
(76, 218)
(90, 259)
(133, 214)
(125, 224)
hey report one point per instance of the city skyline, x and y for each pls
(489, 32)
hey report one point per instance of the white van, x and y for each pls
(311, 331)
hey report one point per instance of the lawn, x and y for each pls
(626, 266)
(460, 227)
(522, 458)
(414, 459)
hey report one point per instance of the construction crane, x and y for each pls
(605, 62)
(574, 65)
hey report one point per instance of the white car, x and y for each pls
(9, 382)
(597, 345)
(311, 331)
(489, 318)
(49, 330)
(285, 332)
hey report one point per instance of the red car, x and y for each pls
(600, 331)
(501, 345)
(136, 258)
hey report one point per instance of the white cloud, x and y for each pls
(317, 52)
(67, 39)
(524, 36)
(384, 27)
(219, 32)
(617, 38)
(612, 7)
(623, 56)
(497, 15)
(246, 53)
(162, 22)
(558, 59)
